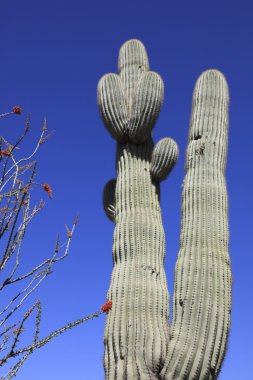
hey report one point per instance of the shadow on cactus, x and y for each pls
(139, 341)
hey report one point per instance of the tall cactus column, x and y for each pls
(202, 296)
(137, 328)
(139, 343)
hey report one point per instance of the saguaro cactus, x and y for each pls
(139, 342)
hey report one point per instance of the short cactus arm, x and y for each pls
(164, 157)
(109, 199)
(202, 295)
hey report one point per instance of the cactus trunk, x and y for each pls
(136, 334)
(201, 305)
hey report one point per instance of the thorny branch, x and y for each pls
(17, 180)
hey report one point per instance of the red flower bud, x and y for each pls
(17, 110)
(48, 190)
(5, 153)
(106, 307)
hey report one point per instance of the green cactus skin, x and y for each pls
(139, 343)
(202, 296)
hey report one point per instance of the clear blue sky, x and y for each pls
(53, 53)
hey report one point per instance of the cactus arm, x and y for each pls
(202, 294)
(164, 157)
(115, 118)
(137, 328)
(109, 199)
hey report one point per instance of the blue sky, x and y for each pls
(52, 55)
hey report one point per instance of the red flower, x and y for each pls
(106, 307)
(5, 152)
(17, 110)
(48, 190)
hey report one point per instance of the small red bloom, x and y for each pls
(17, 110)
(48, 190)
(106, 307)
(5, 152)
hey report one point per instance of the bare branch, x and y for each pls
(17, 180)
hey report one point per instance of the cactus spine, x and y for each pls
(139, 342)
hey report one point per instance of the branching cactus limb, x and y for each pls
(137, 328)
(202, 295)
